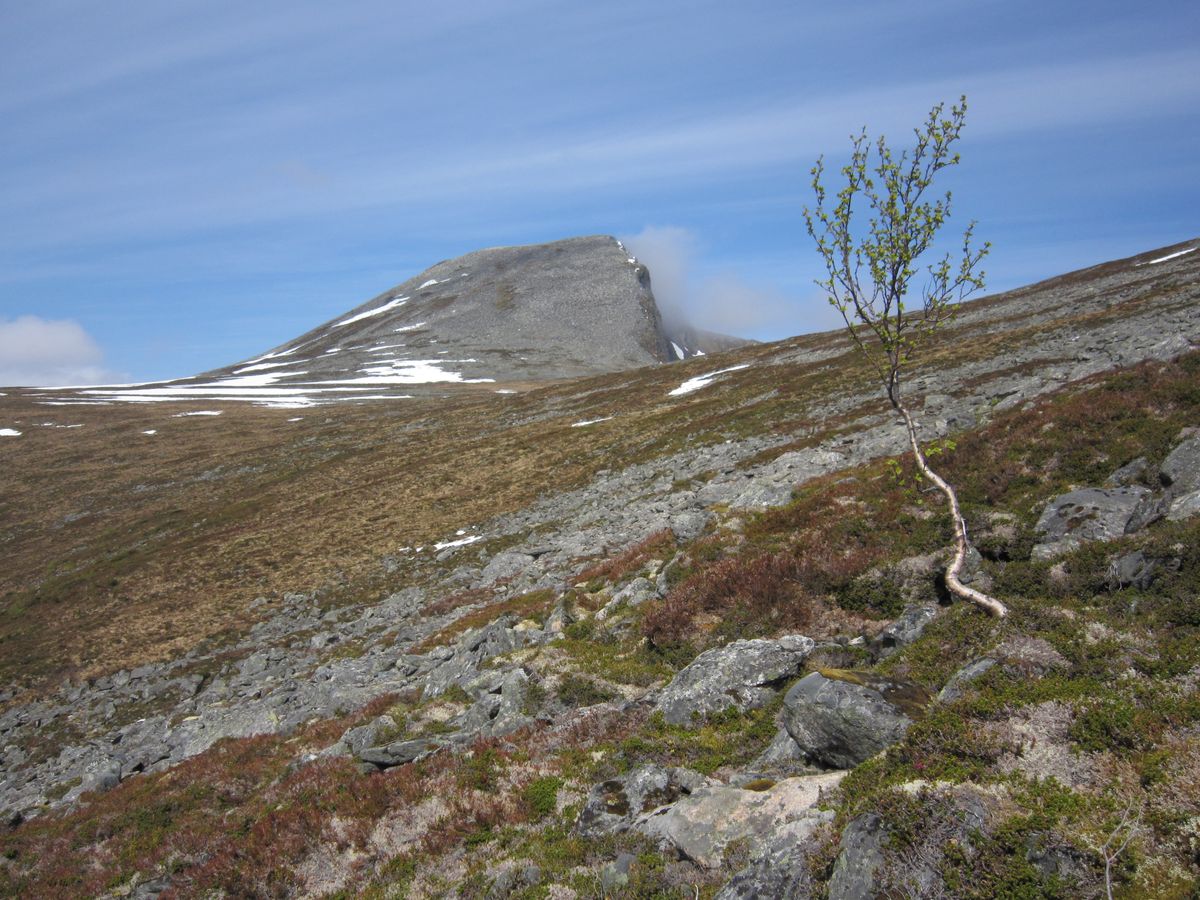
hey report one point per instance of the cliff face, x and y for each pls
(581, 306)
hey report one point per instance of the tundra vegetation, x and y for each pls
(1065, 733)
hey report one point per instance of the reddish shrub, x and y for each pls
(753, 594)
(657, 545)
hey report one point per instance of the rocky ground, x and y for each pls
(743, 689)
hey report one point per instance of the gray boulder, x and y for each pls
(1180, 471)
(905, 630)
(840, 718)
(701, 825)
(398, 752)
(1180, 475)
(614, 806)
(1093, 514)
(862, 854)
(689, 524)
(1132, 570)
(743, 675)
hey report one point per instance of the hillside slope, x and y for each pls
(459, 628)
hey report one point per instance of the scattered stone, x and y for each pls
(1128, 474)
(862, 854)
(506, 564)
(1132, 570)
(743, 675)
(398, 752)
(905, 630)
(1180, 471)
(841, 717)
(1093, 514)
(615, 805)
(701, 825)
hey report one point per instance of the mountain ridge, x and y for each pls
(490, 318)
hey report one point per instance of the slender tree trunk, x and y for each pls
(980, 599)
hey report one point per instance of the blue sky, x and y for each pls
(186, 184)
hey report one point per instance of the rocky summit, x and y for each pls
(482, 321)
(635, 630)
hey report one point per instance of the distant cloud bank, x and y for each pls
(37, 352)
(722, 301)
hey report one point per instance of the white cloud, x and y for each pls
(724, 301)
(44, 352)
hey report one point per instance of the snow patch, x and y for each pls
(409, 327)
(410, 371)
(461, 542)
(430, 283)
(1170, 256)
(150, 431)
(590, 422)
(270, 365)
(391, 304)
(679, 350)
(700, 381)
(199, 412)
(9, 432)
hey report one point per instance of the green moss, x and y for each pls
(577, 690)
(724, 739)
(541, 795)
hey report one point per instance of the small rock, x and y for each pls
(1180, 471)
(615, 875)
(743, 675)
(905, 630)
(841, 717)
(701, 825)
(689, 524)
(1132, 570)
(560, 617)
(398, 752)
(1093, 514)
(614, 806)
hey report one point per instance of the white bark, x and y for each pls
(983, 601)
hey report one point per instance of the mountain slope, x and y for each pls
(259, 572)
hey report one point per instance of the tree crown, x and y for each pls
(869, 273)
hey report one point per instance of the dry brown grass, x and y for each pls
(118, 548)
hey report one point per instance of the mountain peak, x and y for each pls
(541, 312)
